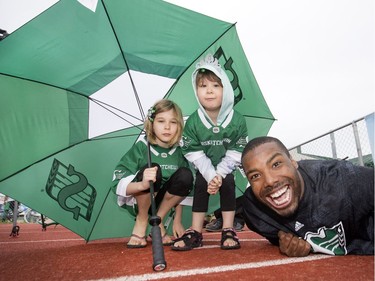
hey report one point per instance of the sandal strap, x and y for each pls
(191, 238)
(139, 237)
(229, 233)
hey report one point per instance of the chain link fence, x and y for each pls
(350, 142)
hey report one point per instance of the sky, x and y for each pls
(314, 60)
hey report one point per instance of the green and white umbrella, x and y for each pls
(74, 85)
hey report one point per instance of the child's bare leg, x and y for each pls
(178, 227)
(198, 221)
(228, 219)
(168, 202)
(141, 222)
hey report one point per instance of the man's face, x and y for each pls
(274, 178)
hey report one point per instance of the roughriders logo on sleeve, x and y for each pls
(329, 241)
(242, 142)
(185, 142)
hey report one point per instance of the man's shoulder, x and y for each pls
(249, 195)
(319, 165)
(328, 171)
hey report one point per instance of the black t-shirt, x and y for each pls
(335, 214)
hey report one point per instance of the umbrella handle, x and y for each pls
(159, 262)
(157, 244)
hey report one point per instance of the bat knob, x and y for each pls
(160, 266)
(155, 220)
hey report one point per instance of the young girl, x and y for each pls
(170, 173)
(214, 138)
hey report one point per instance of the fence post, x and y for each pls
(333, 145)
(357, 143)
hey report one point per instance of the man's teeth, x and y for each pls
(281, 196)
(279, 192)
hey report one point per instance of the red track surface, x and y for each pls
(59, 254)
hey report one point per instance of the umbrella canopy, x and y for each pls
(75, 83)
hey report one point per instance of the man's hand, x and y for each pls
(293, 246)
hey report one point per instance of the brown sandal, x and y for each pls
(140, 239)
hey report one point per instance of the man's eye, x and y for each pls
(253, 177)
(276, 164)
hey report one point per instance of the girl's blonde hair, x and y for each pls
(159, 107)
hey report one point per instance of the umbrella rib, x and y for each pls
(174, 84)
(259, 117)
(126, 63)
(114, 113)
(100, 103)
(43, 83)
(209, 46)
(66, 148)
(97, 217)
(99, 138)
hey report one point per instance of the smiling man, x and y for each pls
(310, 205)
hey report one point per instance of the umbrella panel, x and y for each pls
(48, 154)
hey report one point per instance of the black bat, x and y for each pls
(157, 244)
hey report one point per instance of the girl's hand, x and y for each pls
(216, 181)
(215, 184)
(212, 189)
(149, 174)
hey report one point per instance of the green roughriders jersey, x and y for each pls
(169, 159)
(214, 149)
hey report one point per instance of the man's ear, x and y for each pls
(294, 162)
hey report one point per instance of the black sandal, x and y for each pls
(229, 233)
(191, 238)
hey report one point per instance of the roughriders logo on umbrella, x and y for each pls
(77, 197)
(227, 63)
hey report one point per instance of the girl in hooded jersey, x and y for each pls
(170, 173)
(213, 140)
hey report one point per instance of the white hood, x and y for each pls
(210, 63)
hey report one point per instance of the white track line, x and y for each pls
(81, 239)
(42, 241)
(216, 269)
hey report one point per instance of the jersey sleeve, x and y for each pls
(126, 170)
(193, 151)
(232, 158)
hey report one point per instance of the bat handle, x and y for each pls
(157, 249)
